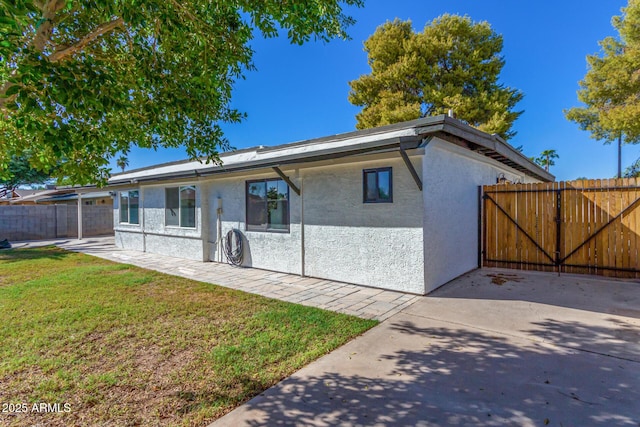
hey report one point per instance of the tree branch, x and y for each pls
(100, 30)
(43, 32)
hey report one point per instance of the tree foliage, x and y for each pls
(611, 86)
(453, 63)
(546, 159)
(122, 162)
(20, 173)
(632, 171)
(81, 81)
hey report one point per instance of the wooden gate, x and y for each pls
(585, 226)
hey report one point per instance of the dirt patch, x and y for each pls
(502, 278)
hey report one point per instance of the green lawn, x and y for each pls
(127, 346)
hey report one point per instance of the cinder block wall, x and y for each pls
(37, 222)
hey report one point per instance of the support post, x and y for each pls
(79, 216)
(480, 222)
(302, 253)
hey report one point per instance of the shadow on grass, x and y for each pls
(17, 254)
(457, 376)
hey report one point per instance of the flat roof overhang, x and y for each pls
(406, 135)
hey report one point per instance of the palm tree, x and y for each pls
(546, 159)
(122, 162)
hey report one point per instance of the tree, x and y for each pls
(610, 88)
(82, 81)
(546, 159)
(20, 173)
(122, 162)
(453, 64)
(632, 171)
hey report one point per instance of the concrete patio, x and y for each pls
(361, 301)
(492, 348)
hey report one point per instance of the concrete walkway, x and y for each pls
(361, 301)
(493, 348)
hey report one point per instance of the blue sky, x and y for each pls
(300, 92)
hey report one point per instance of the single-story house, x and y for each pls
(395, 207)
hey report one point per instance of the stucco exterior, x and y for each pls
(425, 237)
(374, 244)
(277, 251)
(451, 180)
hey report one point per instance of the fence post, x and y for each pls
(480, 222)
(558, 225)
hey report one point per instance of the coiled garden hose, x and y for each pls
(233, 247)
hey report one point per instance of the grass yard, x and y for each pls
(126, 346)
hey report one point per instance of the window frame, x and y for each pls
(365, 187)
(128, 210)
(266, 228)
(179, 207)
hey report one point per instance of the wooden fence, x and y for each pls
(584, 226)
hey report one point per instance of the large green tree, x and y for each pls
(81, 81)
(453, 63)
(21, 173)
(610, 90)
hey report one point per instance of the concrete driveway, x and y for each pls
(493, 348)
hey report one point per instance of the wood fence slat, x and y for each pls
(633, 230)
(599, 227)
(591, 248)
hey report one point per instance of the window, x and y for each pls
(267, 205)
(180, 206)
(377, 185)
(129, 201)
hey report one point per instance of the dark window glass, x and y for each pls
(171, 205)
(257, 205)
(268, 205)
(188, 206)
(124, 206)
(133, 207)
(377, 185)
(370, 185)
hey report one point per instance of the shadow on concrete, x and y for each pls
(582, 292)
(455, 376)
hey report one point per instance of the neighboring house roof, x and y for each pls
(34, 196)
(74, 196)
(411, 134)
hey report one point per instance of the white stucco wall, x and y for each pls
(277, 251)
(373, 244)
(126, 236)
(151, 235)
(378, 245)
(180, 242)
(451, 178)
